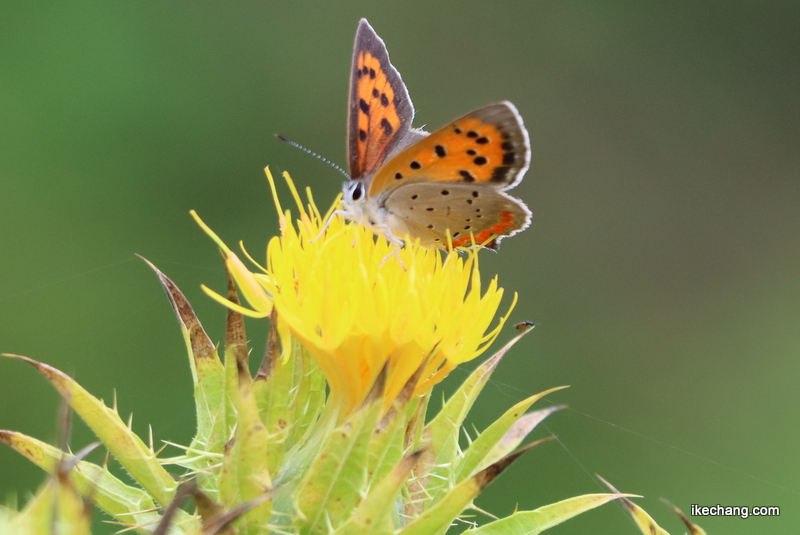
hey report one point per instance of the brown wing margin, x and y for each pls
(380, 111)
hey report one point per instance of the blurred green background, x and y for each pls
(661, 265)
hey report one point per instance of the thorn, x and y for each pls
(64, 424)
(78, 457)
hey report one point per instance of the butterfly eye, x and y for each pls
(357, 191)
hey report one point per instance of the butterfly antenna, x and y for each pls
(312, 153)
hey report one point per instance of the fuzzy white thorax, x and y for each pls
(368, 212)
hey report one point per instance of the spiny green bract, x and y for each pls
(270, 457)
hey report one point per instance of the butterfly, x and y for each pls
(407, 182)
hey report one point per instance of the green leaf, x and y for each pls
(441, 434)
(399, 430)
(56, 508)
(514, 436)
(245, 465)
(534, 522)
(123, 443)
(208, 381)
(438, 518)
(127, 504)
(482, 446)
(273, 398)
(337, 476)
(643, 521)
(290, 393)
(373, 514)
(416, 412)
(386, 446)
(309, 401)
(693, 528)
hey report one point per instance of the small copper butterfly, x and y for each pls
(405, 181)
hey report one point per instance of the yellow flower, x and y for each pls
(357, 303)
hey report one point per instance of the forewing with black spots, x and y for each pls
(489, 147)
(380, 112)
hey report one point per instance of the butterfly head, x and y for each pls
(354, 193)
(359, 208)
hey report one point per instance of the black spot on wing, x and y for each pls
(466, 175)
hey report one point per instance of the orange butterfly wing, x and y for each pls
(454, 180)
(477, 157)
(487, 147)
(380, 112)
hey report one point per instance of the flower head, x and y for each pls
(359, 304)
(273, 452)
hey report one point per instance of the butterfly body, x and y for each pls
(443, 188)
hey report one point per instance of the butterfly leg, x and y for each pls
(396, 242)
(395, 252)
